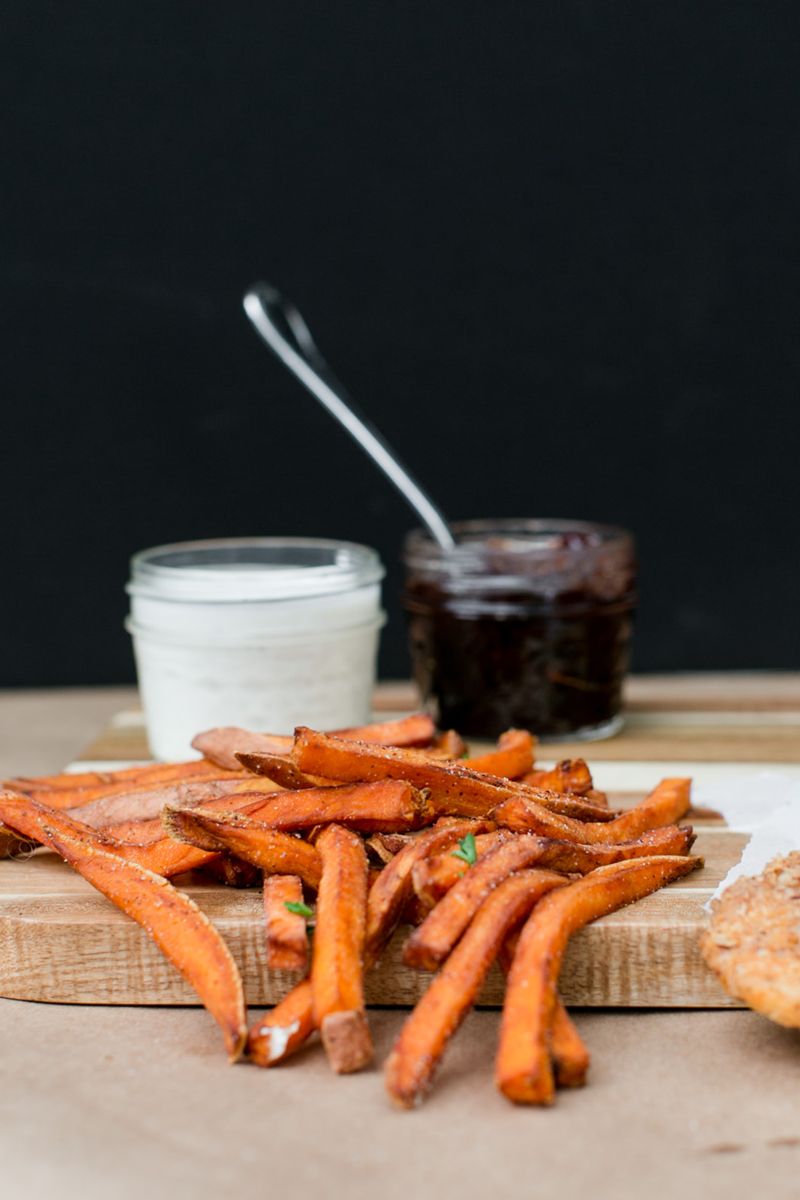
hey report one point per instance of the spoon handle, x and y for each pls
(281, 326)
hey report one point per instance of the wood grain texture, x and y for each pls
(63, 942)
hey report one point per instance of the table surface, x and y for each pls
(122, 1102)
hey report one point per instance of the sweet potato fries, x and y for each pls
(176, 924)
(337, 970)
(355, 834)
(419, 1048)
(524, 1072)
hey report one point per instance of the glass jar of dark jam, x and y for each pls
(523, 623)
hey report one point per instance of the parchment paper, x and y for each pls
(767, 806)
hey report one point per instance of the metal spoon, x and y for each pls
(281, 326)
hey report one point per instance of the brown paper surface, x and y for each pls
(117, 1103)
(100, 1102)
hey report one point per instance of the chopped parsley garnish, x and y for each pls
(466, 850)
(297, 906)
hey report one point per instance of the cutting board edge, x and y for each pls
(607, 966)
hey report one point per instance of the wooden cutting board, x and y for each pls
(62, 941)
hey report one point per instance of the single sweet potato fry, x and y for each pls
(433, 876)
(221, 745)
(570, 775)
(275, 852)
(392, 889)
(513, 756)
(63, 797)
(143, 775)
(287, 939)
(454, 789)
(579, 859)
(388, 805)
(665, 805)
(422, 1040)
(70, 781)
(337, 966)
(418, 729)
(431, 942)
(283, 1029)
(571, 1059)
(523, 1071)
(147, 803)
(575, 858)
(180, 930)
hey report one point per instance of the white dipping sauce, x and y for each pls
(266, 633)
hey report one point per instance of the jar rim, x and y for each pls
(236, 570)
(523, 538)
(542, 557)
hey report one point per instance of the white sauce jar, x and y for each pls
(266, 633)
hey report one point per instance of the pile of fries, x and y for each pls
(354, 834)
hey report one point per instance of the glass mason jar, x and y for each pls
(266, 633)
(523, 623)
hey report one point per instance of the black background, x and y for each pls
(552, 248)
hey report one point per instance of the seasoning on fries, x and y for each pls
(422, 1040)
(352, 835)
(178, 927)
(337, 968)
(523, 1070)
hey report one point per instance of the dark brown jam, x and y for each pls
(524, 623)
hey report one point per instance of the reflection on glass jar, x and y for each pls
(523, 623)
